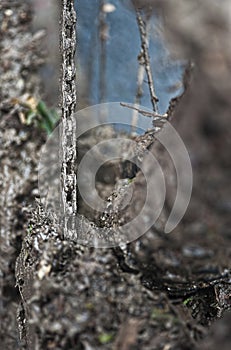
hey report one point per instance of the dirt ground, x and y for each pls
(160, 292)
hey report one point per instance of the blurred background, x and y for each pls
(108, 54)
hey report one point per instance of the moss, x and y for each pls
(105, 338)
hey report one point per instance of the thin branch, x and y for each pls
(145, 54)
(68, 152)
(103, 36)
(154, 115)
(140, 81)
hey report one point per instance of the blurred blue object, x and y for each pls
(122, 48)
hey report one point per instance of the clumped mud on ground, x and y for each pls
(160, 292)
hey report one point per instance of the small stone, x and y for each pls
(8, 12)
(20, 84)
(44, 270)
(108, 8)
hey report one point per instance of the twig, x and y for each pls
(140, 81)
(68, 152)
(103, 36)
(145, 54)
(154, 115)
(139, 93)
